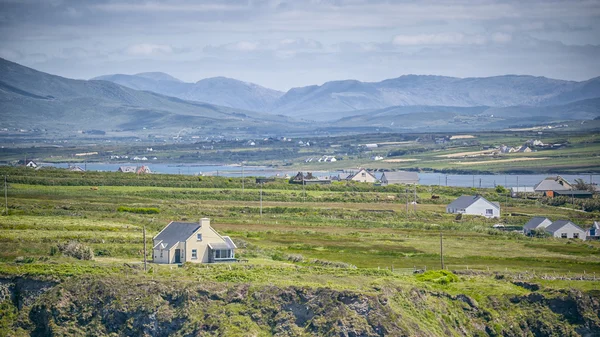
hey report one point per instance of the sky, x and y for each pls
(282, 44)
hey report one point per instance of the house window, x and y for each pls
(161, 253)
(489, 211)
(199, 236)
(364, 174)
(563, 235)
(575, 235)
(194, 254)
(223, 254)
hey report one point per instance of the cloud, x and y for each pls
(438, 39)
(286, 46)
(147, 49)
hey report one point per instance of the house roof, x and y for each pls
(219, 245)
(556, 225)
(596, 225)
(359, 171)
(572, 192)
(553, 184)
(467, 200)
(401, 177)
(535, 222)
(176, 232)
(522, 189)
(127, 168)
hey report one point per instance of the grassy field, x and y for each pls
(332, 247)
(370, 229)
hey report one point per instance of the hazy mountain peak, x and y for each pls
(158, 76)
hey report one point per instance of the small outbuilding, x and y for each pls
(594, 232)
(566, 230)
(399, 177)
(474, 205)
(194, 242)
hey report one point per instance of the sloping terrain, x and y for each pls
(217, 90)
(31, 99)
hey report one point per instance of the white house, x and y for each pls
(566, 230)
(362, 176)
(399, 177)
(474, 205)
(192, 242)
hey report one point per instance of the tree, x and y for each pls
(581, 185)
(500, 189)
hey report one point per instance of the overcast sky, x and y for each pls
(290, 43)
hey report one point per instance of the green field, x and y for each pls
(344, 237)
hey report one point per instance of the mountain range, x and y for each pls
(30, 99)
(338, 99)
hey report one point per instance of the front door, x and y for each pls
(177, 255)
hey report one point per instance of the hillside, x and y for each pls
(480, 117)
(35, 100)
(415, 90)
(217, 90)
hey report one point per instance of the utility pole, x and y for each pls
(242, 177)
(415, 200)
(446, 180)
(442, 249)
(261, 186)
(145, 263)
(406, 202)
(303, 189)
(473, 181)
(5, 196)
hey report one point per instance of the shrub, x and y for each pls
(76, 250)
(54, 250)
(139, 210)
(500, 189)
(438, 276)
(26, 259)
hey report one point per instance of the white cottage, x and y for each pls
(566, 230)
(192, 242)
(474, 205)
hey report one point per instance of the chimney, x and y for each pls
(205, 222)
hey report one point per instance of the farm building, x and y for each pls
(127, 169)
(537, 222)
(399, 177)
(551, 184)
(566, 230)
(571, 194)
(474, 205)
(362, 176)
(193, 242)
(521, 190)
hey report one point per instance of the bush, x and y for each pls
(139, 210)
(438, 276)
(76, 250)
(27, 259)
(500, 189)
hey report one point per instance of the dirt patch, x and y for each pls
(398, 160)
(465, 154)
(462, 137)
(498, 161)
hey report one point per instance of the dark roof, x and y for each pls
(219, 245)
(401, 177)
(556, 225)
(535, 222)
(571, 192)
(467, 200)
(176, 232)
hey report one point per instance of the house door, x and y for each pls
(177, 255)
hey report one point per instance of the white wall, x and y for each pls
(570, 230)
(479, 207)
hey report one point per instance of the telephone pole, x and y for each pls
(261, 186)
(242, 177)
(442, 250)
(145, 262)
(415, 200)
(5, 196)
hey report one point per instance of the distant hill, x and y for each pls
(416, 90)
(32, 99)
(217, 90)
(482, 117)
